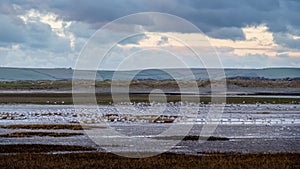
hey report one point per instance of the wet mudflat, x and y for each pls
(246, 136)
(242, 128)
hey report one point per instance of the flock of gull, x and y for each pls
(265, 114)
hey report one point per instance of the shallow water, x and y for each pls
(249, 127)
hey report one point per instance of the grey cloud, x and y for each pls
(41, 36)
(42, 58)
(59, 45)
(259, 61)
(163, 40)
(286, 60)
(34, 35)
(38, 34)
(232, 33)
(286, 40)
(81, 29)
(11, 30)
(216, 18)
(133, 39)
(247, 61)
(283, 56)
(207, 15)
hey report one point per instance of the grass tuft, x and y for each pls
(46, 126)
(166, 160)
(39, 148)
(40, 134)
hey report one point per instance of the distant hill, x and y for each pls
(14, 74)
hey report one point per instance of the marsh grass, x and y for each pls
(105, 98)
(40, 134)
(40, 84)
(139, 85)
(270, 83)
(265, 112)
(166, 160)
(38, 148)
(236, 81)
(49, 126)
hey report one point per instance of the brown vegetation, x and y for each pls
(264, 112)
(38, 148)
(45, 126)
(266, 83)
(142, 84)
(40, 134)
(66, 98)
(166, 160)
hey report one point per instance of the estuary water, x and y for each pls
(246, 127)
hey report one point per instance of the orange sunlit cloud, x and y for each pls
(258, 40)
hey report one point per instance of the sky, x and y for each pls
(245, 34)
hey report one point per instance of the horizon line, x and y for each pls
(271, 67)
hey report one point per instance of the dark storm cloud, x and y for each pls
(217, 18)
(207, 15)
(34, 35)
(40, 36)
